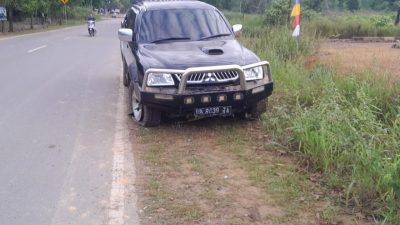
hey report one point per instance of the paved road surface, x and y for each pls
(64, 151)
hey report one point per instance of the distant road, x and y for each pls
(64, 152)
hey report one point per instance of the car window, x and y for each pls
(181, 23)
(125, 22)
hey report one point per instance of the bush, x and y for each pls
(381, 21)
(278, 13)
(348, 26)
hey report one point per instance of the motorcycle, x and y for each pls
(91, 25)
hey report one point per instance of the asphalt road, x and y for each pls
(65, 156)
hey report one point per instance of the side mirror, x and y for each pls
(237, 28)
(125, 34)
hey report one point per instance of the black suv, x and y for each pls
(181, 58)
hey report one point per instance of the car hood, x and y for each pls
(183, 55)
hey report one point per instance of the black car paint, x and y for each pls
(185, 54)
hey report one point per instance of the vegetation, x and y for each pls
(346, 126)
(352, 25)
(277, 11)
(259, 6)
(336, 24)
(47, 10)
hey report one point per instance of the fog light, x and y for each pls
(163, 97)
(206, 99)
(238, 96)
(258, 90)
(222, 98)
(189, 100)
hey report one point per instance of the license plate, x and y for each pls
(214, 111)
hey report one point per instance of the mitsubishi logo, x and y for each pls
(209, 77)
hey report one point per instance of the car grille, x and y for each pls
(211, 77)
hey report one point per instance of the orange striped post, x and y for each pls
(296, 13)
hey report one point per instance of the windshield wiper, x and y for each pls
(215, 36)
(171, 39)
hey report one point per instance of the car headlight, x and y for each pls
(160, 79)
(255, 73)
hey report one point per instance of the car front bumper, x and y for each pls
(184, 100)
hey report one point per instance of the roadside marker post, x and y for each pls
(65, 2)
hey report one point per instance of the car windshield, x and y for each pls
(182, 24)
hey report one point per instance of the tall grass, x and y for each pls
(350, 25)
(347, 126)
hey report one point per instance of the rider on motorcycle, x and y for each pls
(91, 23)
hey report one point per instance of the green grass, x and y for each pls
(340, 25)
(347, 126)
(348, 25)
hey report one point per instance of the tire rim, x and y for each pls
(137, 108)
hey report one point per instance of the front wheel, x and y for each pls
(91, 32)
(142, 114)
(258, 109)
(255, 111)
(125, 74)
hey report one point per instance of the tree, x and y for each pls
(382, 4)
(30, 7)
(11, 5)
(277, 13)
(254, 6)
(353, 5)
(315, 5)
(341, 4)
(227, 4)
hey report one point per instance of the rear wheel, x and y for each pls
(144, 115)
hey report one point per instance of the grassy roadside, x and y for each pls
(345, 126)
(69, 23)
(226, 172)
(325, 153)
(342, 130)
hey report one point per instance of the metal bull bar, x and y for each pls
(207, 69)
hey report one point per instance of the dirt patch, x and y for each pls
(353, 57)
(221, 171)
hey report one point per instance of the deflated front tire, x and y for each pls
(142, 114)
